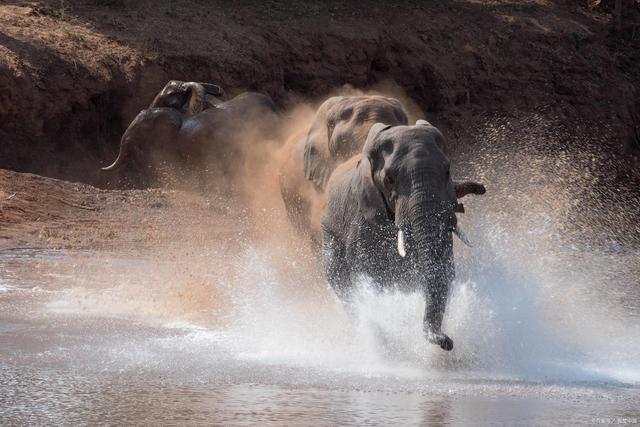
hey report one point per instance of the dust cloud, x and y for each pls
(193, 274)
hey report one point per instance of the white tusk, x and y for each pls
(462, 236)
(401, 249)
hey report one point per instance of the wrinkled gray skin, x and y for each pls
(402, 182)
(338, 131)
(188, 97)
(167, 134)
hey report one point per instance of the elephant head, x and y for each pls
(339, 131)
(188, 97)
(407, 182)
(153, 128)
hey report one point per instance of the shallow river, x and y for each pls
(544, 314)
(250, 338)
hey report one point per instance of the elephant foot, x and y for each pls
(440, 339)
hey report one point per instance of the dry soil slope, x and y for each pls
(74, 73)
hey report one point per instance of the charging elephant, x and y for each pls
(338, 131)
(390, 215)
(171, 135)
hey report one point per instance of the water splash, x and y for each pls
(501, 324)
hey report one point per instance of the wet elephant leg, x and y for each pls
(435, 305)
(335, 265)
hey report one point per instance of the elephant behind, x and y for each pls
(188, 97)
(390, 215)
(338, 131)
(193, 137)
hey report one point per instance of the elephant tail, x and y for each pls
(115, 164)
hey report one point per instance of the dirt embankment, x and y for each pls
(74, 73)
(41, 212)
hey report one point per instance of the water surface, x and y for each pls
(158, 337)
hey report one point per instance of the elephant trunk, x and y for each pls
(430, 223)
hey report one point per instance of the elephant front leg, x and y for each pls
(335, 265)
(436, 303)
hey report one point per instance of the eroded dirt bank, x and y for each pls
(39, 212)
(74, 73)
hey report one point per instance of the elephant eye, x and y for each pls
(388, 180)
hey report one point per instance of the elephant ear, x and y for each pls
(196, 101)
(439, 138)
(214, 90)
(318, 162)
(214, 95)
(371, 202)
(399, 112)
(462, 188)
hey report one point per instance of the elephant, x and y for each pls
(188, 97)
(173, 136)
(337, 132)
(390, 215)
